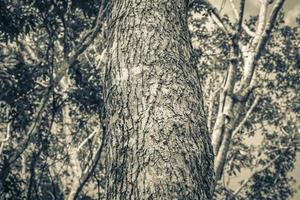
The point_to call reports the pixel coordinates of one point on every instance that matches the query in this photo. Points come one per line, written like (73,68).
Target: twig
(254,173)
(65,66)
(218,19)
(237,129)
(47,86)
(244,26)
(222,6)
(286,148)
(87,139)
(87,173)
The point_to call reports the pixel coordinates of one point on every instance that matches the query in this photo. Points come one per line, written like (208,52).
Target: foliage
(273,127)
(36,36)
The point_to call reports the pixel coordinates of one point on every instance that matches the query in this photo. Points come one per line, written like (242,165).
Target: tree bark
(158,145)
(74,168)
(223,129)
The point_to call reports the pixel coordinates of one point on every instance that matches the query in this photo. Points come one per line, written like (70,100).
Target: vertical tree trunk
(74,168)
(158,144)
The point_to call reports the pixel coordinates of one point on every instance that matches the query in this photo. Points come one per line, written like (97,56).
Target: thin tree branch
(86,140)
(65,66)
(241,16)
(33,127)
(244,26)
(258,43)
(221,138)
(238,128)
(32,167)
(24,43)
(217,18)
(47,86)
(87,173)
(269,164)
(254,173)
(228,134)
(226,100)
(88,39)
(222,6)
(261,23)
(249,60)
(268,29)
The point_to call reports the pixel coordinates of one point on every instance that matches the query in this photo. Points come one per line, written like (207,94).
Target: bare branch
(245,182)
(267,165)
(87,40)
(244,26)
(87,173)
(47,86)
(65,66)
(249,60)
(258,43)
(269,27)
(214,13)
(87,139)
(227,136)
(217,19)
(261,23)
(238,128)
(226,100)
(241,16)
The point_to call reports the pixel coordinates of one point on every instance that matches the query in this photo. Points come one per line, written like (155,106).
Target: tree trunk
(74,168)
(158,145)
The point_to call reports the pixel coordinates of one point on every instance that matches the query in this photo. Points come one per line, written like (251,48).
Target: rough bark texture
(158,144)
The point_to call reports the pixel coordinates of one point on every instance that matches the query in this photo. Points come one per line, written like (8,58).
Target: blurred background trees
(52,58)
(262,54)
